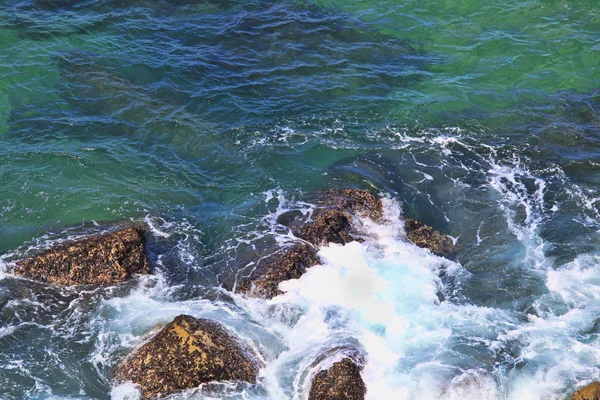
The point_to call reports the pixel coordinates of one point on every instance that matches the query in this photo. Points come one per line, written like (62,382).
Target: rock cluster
(189,352)
(331,222)
(101,260)
(184,354)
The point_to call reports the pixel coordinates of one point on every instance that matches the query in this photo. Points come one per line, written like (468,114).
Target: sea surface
(207,119)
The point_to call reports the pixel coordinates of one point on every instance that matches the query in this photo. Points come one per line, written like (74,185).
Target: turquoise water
(207,119)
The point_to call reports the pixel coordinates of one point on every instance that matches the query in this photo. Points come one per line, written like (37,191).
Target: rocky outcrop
(588,392)
(102,260)
(184,354)
(425,236)
(289,264)
(332,220)
(341,381)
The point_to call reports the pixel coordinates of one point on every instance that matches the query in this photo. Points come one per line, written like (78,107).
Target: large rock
(185,354)
(341,381)
(425,236)
(588,392)
(291,263)
(102,260)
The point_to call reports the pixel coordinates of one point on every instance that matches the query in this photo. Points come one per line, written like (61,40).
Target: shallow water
(208,119)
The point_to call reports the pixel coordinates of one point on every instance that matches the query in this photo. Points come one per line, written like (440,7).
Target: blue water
(207,119)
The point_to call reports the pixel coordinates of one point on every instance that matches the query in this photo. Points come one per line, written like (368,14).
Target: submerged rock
(102,260)
(588,392)
(425,236)
(184,354)
(289,264)
(341,381)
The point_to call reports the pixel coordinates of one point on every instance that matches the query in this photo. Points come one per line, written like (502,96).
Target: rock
(328,226)
(341,381)
(588,392)
(102,260)
(289,264)
(354,201)
(331,223)
(184,354)
(425,236)
(332,219)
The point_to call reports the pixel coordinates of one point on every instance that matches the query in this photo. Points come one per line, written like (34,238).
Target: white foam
(524,209)
(125,391)
(382,293)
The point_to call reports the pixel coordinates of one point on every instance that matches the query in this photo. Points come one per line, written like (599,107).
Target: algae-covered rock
(425,236)
(341,381)
(185,354)
(101,260)
(289,264)
(588,392)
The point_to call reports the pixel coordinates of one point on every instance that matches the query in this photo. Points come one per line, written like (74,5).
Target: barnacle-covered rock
(101,260)
(341,381)
(185,354)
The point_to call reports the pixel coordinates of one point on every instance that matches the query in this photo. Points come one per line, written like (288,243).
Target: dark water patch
(280,56)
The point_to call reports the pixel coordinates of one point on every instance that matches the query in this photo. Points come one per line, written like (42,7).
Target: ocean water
(207,119)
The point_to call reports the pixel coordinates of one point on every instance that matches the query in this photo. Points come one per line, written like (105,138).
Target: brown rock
(588,392)
(332,219)
(289,264)
(328,226)
(341,381)
(102,260)
(184,354)
(331,223)
(354,201)
(425,236)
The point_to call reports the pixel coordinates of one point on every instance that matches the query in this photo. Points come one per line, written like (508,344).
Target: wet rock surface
(328,226)
(588,392)
(101,260)
(425,236)
(184,354)
(356,201)
(291,263)
(341,381)
(331,221)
